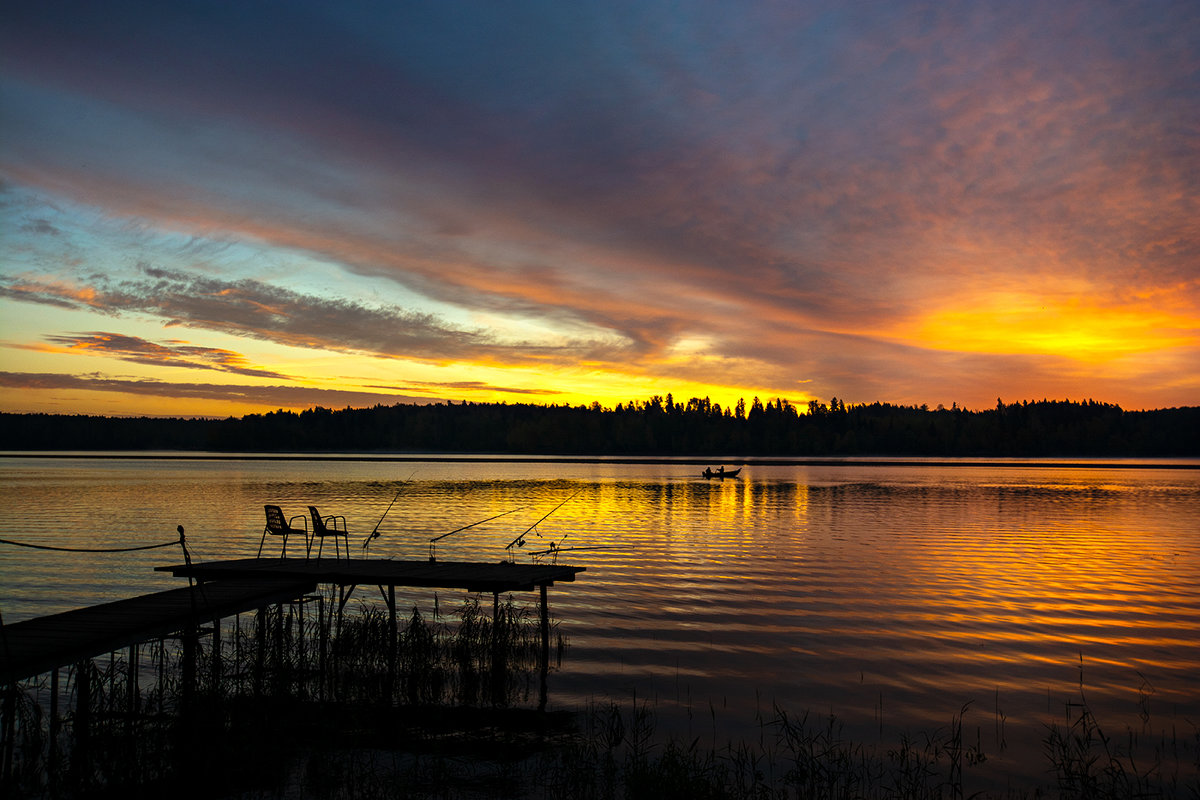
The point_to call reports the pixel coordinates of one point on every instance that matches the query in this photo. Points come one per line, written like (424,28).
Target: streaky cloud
(275,396)
(258,310)
(442,387)
(172,353)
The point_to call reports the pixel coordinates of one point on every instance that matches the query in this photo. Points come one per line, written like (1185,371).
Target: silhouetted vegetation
(658,426)
(275,688)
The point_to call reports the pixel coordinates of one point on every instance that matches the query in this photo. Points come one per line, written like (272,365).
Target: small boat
(721,472)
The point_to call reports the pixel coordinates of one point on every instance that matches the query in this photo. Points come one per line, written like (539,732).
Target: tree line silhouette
(658,426)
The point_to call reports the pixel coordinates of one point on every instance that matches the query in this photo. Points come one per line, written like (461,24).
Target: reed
(1088,763)
(294,703)
(618,755)
(254,692)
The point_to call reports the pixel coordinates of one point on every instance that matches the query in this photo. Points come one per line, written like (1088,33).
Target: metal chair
(277,527)
(328,526)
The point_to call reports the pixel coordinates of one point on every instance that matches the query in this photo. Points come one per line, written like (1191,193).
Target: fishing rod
(520,540)
(375,533)
(555,549)
(465,527)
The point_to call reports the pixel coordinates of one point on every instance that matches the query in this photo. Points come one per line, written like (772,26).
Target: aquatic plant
(294,701)
(150,711)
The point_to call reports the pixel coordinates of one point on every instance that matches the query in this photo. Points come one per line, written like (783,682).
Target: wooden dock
(347,574)
(32,648)
(39,645)
(472,576)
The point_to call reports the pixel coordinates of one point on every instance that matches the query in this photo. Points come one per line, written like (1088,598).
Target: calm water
(889,595)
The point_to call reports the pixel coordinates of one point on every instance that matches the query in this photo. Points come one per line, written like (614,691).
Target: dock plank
(39,645)
(474,576)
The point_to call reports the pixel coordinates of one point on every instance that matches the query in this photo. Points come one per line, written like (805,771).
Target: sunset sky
(221,208)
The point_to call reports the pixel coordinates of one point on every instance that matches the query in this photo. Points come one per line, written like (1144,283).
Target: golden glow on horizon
(370,378)
(1020,323)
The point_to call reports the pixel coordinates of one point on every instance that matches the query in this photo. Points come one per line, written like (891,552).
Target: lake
(889,594)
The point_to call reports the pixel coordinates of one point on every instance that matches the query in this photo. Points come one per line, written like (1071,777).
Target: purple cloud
(264,396)
(169,354)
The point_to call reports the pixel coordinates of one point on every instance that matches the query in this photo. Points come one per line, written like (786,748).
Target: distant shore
(697,461)
(697,432)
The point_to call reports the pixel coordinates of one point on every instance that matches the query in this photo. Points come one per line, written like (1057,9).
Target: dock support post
(545,628)
(216,654)
(301,666)
(393,642)
(545,647)
(189,667)
(81,763)
(9,734)
(131,687)
(111,700)
(496,655)
(162,674)
(279,626)
(237,652)
(54,722)
(323,644)
(260,655)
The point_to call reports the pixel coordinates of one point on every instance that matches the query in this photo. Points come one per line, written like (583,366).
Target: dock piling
(8,734)
(81,761)
(54,721)
(215,678)
(393,640)
(131,687)
(323,638)
(260,650)
(545,665)
(190,640)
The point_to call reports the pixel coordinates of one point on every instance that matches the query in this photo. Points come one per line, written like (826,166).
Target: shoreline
(1050,462)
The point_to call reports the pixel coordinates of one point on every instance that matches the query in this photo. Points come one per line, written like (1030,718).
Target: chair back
(275,522)
(318,523)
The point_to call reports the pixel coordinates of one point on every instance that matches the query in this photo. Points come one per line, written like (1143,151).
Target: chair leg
(283,553)
(261,542)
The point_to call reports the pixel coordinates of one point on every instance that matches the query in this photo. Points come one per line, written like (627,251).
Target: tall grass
(293,702)
(618,755)
(255,692)
(1088,763)
(610,751)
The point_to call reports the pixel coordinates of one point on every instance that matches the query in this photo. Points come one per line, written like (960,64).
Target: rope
(87,549)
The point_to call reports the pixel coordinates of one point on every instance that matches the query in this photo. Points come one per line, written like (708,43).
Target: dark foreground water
(890,595)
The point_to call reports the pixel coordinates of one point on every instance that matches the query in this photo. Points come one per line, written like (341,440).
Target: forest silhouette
(659,426)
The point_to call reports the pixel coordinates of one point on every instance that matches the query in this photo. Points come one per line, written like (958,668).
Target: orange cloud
(174,353)
(51,291)
(1079,327)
